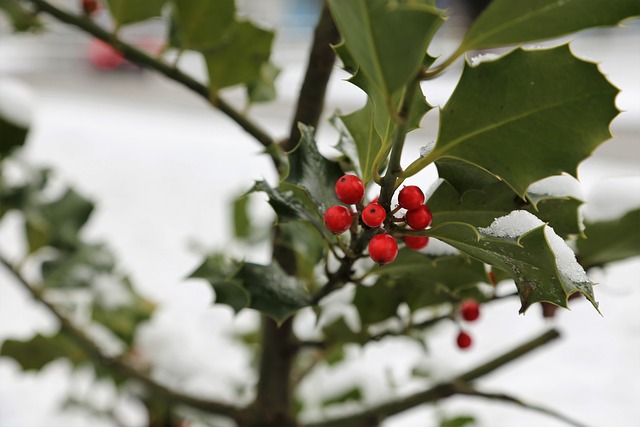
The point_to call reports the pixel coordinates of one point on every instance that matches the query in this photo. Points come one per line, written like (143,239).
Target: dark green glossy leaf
(387,39)
(266,288)
(312,171)
(526,116)
(201,24)
(239,56)
(272,291)
(299,248)
(609,241)
(128,11)
(472,195)
(508,22)
(529,259)
(420,281)
(338,333)
(35,353)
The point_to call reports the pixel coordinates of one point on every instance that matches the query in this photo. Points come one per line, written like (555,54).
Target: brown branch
(145,60)
(375,415)
(116,365)
(314,86)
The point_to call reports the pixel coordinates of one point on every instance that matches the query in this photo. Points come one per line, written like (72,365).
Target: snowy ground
(159,162)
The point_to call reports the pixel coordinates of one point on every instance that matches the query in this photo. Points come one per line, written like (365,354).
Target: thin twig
(470,391)
(375,415)
(141,58)
(114,364)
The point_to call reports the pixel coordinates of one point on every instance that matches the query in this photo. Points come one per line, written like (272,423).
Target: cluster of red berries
(469,311)
(383,248)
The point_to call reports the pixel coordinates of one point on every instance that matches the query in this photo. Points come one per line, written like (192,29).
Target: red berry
(373,215)
(350,189)
(383,249)
(419,218)
(90,6)
(338,219)
(464,340)
(470,310)
(103,56)
(415,242)
(411,197)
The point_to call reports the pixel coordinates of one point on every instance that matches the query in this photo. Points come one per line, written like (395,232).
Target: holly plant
(407,256)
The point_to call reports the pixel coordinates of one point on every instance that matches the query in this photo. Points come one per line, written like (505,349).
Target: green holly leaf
(419,281)
(543,267)
(544,111)
(128,12)
(202,24)
(298,248)
(507,22)
(242,227)
(387,39)
(263,89)
(472,195)
(238,57)
(310,170)
(21,19)
(609,241)
(40,350)
(339,333)
(266,288)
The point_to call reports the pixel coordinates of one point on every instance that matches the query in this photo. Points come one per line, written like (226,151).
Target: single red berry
(383,249)
(338,219)
(464,340)
(90,6)
(415,242)
(103,56)
(373,215)
(470,310)
(350,189)
(419,218)
(411,197)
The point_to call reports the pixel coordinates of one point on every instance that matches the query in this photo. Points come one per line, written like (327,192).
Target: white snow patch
(565,258)
(16,102)
(611,198)
(427,148)
(517,223)
(111,292)
(557,186)
(512,225)
(483,57)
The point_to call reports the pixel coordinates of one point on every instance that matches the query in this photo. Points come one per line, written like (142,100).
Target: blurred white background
(163,168)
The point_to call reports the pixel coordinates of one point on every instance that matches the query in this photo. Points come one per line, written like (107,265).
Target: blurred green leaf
(459,421)
(202,24)
(263,89)
(508,22)
(351,394)
(57,223)
(609,241)
(128,11)
(242,228)
(21,18)
(77,268)
(12,135)
(238,57)
(123,320)
(37,352)
(301,248)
